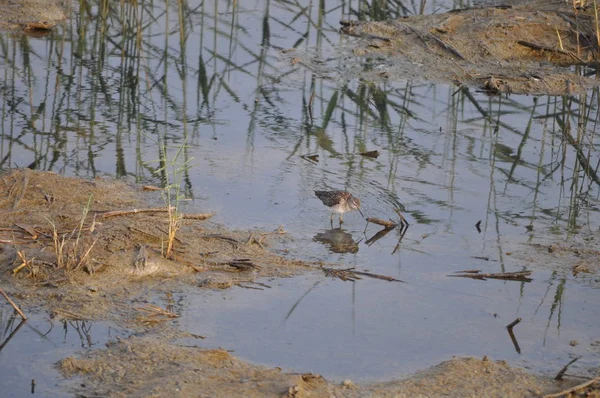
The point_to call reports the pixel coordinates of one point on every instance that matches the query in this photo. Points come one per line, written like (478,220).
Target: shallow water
(90,100)
(31,349)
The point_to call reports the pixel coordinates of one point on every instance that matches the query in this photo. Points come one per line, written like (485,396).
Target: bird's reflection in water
(338,240)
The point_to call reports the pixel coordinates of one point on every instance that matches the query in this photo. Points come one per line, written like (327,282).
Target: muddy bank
(84,249)
(527,49)
(30,15)
(140,367)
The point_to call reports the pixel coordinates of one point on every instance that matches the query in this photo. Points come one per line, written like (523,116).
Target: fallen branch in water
(384,223)
(508,276)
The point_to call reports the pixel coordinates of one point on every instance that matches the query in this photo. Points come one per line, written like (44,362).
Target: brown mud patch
(528,49)
(114,253)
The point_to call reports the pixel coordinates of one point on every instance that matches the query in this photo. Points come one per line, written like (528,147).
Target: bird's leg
(341,218)
(331,220)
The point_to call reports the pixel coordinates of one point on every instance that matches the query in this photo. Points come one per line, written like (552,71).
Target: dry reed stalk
(12,303)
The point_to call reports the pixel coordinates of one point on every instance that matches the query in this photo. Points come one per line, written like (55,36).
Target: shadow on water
(250,91)
(338,240)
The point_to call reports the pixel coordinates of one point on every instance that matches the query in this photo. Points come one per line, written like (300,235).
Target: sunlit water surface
(91,100)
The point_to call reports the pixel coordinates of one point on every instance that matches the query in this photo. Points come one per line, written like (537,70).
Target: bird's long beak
(361,213)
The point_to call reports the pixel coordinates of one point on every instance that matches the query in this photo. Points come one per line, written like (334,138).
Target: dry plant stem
(156,310)
(559,39)
(118,213)
(174,224)
(14,242)
(337,272)
(15,306)
(596,21)
(566,393)
(562,372)
(540,47)
(65,314)
(310,106)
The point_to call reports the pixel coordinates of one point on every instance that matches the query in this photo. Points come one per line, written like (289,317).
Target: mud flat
(540,47)
(111,260)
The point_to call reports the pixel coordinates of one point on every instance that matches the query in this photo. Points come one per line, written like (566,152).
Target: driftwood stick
(565,393)
(513,338)
(15,306)
(562,372)
(384,223)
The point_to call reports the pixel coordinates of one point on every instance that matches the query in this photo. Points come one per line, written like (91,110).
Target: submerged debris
(521,276)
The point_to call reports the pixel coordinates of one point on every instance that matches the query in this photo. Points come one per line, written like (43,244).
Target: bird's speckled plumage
(339,202)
